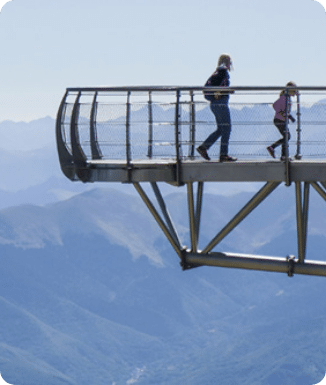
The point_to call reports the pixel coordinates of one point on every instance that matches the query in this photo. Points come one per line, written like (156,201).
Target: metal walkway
(149,134)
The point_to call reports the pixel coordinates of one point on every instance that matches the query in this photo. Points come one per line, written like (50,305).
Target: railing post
(287,160)
(79,156)
(298,154)
(65,154)
(192,126)
(177,139)
(150,126)
(95,150)
(128,152)
(128,142)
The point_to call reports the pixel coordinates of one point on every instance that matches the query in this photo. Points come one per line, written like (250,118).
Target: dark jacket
(220,78)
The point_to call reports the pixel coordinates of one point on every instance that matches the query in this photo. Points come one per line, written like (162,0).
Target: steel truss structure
(178,169)
(192,257)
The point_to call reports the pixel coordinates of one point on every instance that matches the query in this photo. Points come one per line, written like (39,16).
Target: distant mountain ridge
(29,226)
(91,292)
(99,211)
(27,136)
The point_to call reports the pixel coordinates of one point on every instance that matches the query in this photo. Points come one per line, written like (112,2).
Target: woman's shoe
(283,158)
(271,151)
(203,152)
(227,158)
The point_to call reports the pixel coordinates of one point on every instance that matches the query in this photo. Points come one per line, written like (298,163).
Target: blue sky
(47,46)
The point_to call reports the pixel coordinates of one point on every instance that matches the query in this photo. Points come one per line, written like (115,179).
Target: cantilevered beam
(255,262)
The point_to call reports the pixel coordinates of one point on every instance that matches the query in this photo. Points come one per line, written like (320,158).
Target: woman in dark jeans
(280,119)
(220,108)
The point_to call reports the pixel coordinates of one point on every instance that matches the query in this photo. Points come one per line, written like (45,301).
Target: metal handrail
(191,88)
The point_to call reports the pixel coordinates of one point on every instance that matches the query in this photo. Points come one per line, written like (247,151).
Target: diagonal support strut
(266,190)
(169,233)
(320,189)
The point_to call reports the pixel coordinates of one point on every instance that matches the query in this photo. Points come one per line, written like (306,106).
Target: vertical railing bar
(177,141)
(192,125)
(150,126)
(128,128)
(192,221)
(298,154)
(286,144)
(128,152)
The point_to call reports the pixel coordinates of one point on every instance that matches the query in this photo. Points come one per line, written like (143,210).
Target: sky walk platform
(148,135)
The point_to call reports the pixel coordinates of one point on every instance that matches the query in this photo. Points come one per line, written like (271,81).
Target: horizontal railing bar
(191,88)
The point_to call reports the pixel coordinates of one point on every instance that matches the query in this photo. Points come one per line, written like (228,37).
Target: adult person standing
(220,108)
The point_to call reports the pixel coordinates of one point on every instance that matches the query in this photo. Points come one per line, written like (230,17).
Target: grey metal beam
(300,237)
(255,262)
(306,194)
(166,214)
(161,170)
(191,88)
(65,155)
(192,218)
(200,191)
(319,189)
(95,149)
(302,218)
(158,219)
(78,154)
(79,157)
(245,211)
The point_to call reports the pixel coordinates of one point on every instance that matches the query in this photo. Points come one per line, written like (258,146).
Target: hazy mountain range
(92,293)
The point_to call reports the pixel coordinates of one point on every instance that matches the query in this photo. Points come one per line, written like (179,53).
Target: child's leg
(280,124)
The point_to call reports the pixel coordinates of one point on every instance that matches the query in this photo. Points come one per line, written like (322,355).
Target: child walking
(280,119)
